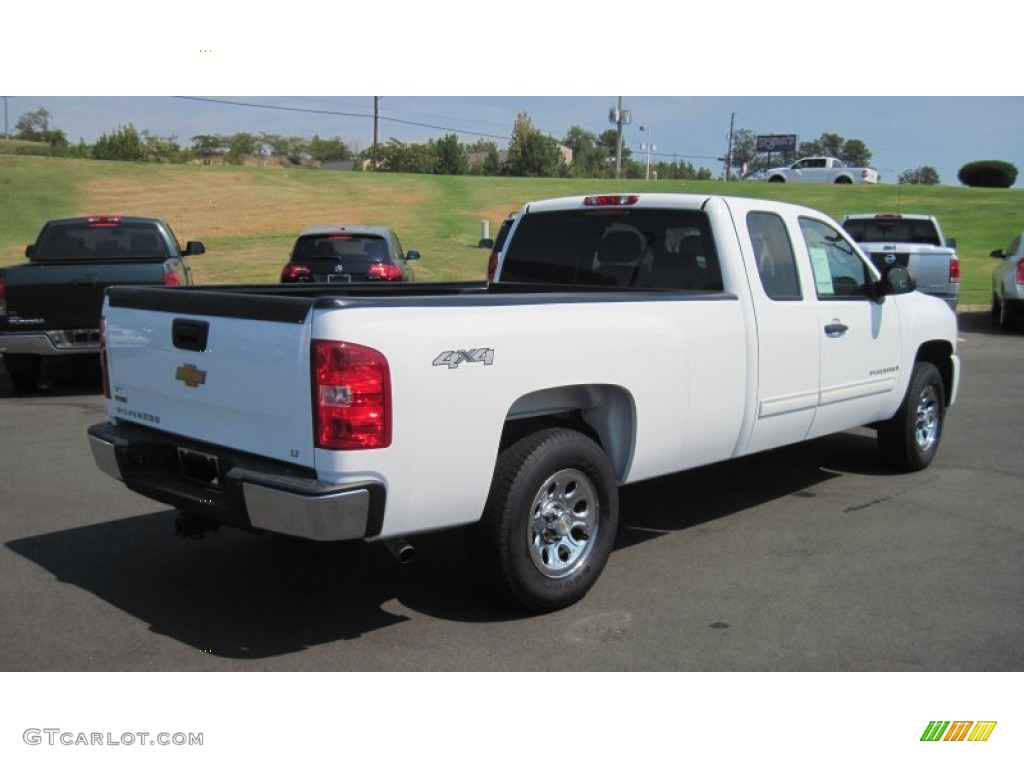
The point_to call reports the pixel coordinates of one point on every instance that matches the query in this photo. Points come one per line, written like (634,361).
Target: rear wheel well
(604,413)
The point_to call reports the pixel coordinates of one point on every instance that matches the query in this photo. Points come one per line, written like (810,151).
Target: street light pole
(648,148)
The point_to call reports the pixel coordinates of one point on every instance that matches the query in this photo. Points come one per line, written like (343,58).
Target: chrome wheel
(927,418)
(563,524)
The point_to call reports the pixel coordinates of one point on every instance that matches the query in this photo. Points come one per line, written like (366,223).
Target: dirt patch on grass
(224,203)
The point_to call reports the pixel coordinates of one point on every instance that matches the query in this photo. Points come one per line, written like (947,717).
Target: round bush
(988,173)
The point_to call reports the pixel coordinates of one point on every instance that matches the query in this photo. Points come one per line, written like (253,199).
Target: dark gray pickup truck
(51,305)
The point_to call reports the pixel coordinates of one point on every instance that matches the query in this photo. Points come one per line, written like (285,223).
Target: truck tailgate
(930,265)
(70,295)
(230,370)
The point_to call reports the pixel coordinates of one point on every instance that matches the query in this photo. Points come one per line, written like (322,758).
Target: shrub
(988,173)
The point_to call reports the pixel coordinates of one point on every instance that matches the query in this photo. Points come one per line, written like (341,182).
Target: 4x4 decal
(453,358)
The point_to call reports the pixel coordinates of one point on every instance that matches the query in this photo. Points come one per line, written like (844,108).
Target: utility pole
(376,101)
(620,117)
(728,155)
(6,134)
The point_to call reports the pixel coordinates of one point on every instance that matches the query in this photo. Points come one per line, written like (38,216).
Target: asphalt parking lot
(806,558)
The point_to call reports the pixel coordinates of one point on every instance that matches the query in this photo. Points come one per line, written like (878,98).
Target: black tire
(996,309)
(1007,315)
(777,180)
(909,440)
(24,371)
(550,520)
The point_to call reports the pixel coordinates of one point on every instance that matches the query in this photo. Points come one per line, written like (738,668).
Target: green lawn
(248,216)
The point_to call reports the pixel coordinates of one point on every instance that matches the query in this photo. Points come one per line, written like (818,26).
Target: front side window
(839,272)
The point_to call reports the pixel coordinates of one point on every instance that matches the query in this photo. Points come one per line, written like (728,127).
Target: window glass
(839,273)
(773,253)
(620,247)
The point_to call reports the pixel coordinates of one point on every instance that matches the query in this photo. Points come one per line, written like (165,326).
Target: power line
(338,113)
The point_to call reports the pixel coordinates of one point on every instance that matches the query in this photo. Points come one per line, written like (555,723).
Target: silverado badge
(190,375)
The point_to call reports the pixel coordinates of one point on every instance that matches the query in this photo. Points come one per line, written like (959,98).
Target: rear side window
(643,248)
(110,239)
(773,254)
(351,249)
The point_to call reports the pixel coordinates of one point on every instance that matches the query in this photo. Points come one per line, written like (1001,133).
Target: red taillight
(616,200)
(103,221)
(1019,278)
(386,271)
(351,396)
(104,373)
(954,269)
(170,276)
(295,272)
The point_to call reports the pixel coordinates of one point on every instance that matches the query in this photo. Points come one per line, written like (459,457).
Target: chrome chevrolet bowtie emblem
(190,375)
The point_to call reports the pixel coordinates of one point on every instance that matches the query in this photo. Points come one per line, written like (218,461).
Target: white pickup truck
(623,337)
(821,170)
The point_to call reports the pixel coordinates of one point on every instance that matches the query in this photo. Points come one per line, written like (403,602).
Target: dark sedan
(346,253)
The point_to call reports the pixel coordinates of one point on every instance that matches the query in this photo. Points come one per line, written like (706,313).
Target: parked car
(1008,284)
(348,253)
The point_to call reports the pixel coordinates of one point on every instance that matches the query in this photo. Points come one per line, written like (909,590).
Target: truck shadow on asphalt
(79,375)
(243,596)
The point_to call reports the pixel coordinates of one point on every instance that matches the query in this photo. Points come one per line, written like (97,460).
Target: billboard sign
(776,142)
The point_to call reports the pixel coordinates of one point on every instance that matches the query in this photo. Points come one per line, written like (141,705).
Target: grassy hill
(248,217)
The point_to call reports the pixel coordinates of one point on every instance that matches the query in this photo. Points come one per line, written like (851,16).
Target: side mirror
(895,282)
(194,248)
(29,250)
(996,254)
(412,255)
(951,242)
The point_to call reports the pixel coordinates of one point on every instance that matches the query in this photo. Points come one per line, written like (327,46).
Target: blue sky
(919,88)
(902,132)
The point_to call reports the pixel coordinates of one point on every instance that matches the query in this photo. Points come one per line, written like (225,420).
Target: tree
(744,151)
(329,150)
(124,143)
(607,141)
(451,155)
(995,174)
(588,156)
(240,146)
(851,151)
(161,150)
(35,126)
(398,157)
(923,174)
(531,153)
(489,162)
(206,146)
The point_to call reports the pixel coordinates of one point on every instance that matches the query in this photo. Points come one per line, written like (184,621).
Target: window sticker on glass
(822,273)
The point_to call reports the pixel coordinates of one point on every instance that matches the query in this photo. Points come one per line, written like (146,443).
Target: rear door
(786,317)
